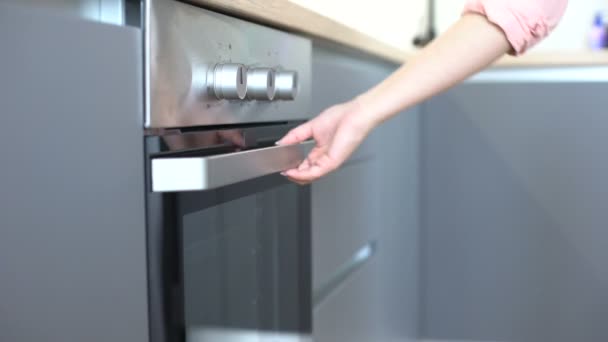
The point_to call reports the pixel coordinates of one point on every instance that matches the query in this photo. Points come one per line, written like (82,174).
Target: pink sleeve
(525,22)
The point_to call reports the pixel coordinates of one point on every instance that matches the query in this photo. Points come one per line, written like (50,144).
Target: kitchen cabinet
(72,230)
(514,205)
(373,199)
(107,11)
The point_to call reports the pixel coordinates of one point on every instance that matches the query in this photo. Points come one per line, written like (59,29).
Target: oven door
(228,239)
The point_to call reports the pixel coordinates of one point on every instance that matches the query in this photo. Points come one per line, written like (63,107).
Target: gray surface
(375,197)
(586,74)
(332,284)
(515,214)
(107,11)
(72,234)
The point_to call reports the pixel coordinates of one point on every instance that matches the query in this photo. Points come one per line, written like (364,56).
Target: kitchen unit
(373,199)
(514,241)
(140,200)
(72,214)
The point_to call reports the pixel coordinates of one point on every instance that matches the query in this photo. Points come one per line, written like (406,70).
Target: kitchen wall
(397,22)
(390,21)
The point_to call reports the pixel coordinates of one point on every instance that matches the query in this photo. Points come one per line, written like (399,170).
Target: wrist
(367,110)
(359,116)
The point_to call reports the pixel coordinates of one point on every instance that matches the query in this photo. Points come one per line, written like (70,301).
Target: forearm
(468,46)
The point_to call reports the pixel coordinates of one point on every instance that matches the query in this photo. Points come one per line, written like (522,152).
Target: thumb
(297,135)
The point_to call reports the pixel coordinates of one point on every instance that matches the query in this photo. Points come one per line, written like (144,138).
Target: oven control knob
(260,84)
(228,81)
(286,84)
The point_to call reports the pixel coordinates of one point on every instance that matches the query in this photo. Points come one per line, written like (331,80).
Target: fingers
(305,176)
(308,172)
(311,158)
(322,161)
(325,159)
(304,165)
(297,135)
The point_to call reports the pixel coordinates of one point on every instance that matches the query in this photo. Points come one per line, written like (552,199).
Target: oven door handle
(172,174)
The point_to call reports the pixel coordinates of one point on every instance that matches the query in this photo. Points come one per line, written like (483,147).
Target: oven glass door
(245,252)
(228,241)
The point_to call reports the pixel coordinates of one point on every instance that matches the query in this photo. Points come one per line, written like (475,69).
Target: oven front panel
(204,68)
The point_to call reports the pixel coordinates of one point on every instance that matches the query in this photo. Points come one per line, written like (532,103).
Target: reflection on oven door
(235,335)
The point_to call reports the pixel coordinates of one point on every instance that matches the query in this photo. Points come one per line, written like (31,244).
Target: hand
(338,131)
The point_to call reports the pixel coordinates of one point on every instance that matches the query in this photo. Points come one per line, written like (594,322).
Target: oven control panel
(204,68)
(238,82)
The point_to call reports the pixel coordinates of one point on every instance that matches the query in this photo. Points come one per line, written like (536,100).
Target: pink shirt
(525,22)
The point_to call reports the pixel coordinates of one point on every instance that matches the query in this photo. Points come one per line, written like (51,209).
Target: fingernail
(278,142)
(284,173)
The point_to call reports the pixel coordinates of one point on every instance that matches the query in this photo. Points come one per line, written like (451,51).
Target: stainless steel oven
(228,237)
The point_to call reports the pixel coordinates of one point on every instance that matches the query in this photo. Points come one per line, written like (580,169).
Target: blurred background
(396,22)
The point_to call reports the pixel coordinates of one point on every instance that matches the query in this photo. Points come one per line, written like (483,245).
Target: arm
(488,30)
(444,63)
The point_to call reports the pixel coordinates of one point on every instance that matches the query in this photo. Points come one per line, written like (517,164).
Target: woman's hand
(338,131)
(467,47)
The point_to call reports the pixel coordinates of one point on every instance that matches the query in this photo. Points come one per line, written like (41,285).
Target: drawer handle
(355,262)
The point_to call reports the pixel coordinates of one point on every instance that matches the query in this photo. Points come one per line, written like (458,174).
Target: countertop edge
(292,17)
(556,59)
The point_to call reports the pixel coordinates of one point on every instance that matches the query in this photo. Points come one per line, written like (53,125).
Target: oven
(228,237)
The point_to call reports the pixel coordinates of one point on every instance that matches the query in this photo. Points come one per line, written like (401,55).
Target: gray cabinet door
(372,199)
(72,231)
(515,198)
